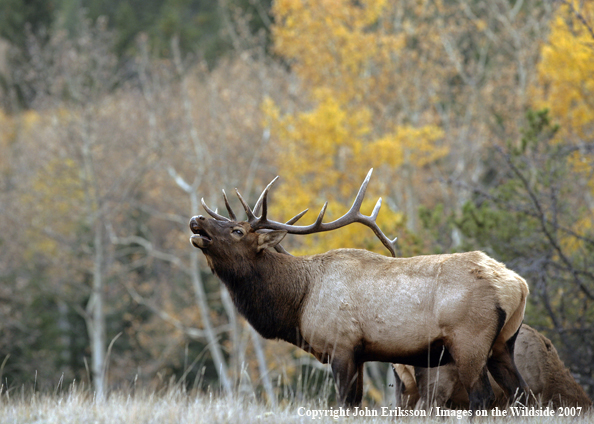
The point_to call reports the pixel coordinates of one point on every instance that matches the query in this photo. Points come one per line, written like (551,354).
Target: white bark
(95,314)
(213,343)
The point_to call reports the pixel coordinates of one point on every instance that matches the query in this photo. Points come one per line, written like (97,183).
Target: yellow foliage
(56,195)
(338,44)
(417,144)
(347,54)
(566,71)
(584,225)
(7,135)
(30,119)
(325,153)
(566,88)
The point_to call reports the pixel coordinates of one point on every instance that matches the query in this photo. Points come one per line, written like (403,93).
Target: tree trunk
(95,315)
(213,343)
(263,367)
(98,317)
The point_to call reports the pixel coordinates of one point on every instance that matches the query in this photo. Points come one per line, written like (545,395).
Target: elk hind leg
(474,376)
(502,367)
(480,395)
(471,363)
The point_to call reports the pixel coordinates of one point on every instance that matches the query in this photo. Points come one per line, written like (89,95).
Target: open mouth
(201,233)
(200,239)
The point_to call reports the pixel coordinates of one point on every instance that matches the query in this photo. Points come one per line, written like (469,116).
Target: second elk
(349,306)
(548,380)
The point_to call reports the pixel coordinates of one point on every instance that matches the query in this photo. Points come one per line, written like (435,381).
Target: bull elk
(349,306)
(546,377)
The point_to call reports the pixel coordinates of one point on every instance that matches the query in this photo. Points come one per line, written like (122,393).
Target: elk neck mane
(269,292)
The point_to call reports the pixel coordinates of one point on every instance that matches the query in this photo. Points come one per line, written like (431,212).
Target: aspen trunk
(213,343)
(95,314)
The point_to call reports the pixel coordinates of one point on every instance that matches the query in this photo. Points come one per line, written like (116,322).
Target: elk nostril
(200,217)
(193,224)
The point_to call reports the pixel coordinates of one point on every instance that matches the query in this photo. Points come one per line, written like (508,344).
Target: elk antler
(257,208)
(214,214)
(353,215)
(231,214)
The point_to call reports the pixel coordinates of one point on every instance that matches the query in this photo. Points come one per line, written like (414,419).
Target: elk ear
(270,239)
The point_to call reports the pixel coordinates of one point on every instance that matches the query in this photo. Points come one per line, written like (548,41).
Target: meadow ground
(176,406)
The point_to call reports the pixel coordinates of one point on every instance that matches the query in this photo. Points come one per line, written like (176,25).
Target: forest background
(116,117)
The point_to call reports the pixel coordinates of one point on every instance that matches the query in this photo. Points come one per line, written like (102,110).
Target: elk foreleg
(348,376)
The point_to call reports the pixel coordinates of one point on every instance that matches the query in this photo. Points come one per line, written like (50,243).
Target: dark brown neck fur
(269,292)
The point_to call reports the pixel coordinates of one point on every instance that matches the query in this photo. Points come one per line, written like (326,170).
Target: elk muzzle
(201,239)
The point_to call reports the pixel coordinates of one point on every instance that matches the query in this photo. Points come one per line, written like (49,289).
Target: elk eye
(238,232)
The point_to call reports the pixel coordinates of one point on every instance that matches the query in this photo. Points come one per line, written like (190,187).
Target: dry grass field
(176,406)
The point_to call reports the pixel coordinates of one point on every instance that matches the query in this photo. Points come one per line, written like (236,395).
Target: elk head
(228,240)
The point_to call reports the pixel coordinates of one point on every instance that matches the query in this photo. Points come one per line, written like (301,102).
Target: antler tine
(376,209)
(370,222)
(318,223)
(262,198)
(361,194)
(231,214)
(213,213)
(296,217)
(251,217)
(264,203)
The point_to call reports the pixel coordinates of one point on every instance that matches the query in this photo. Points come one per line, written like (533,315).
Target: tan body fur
(440,297)
(549,382)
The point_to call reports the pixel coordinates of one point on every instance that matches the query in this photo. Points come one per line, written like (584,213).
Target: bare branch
(543,225)
(579,16)
(148,246)
(179,180)
(191,332)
